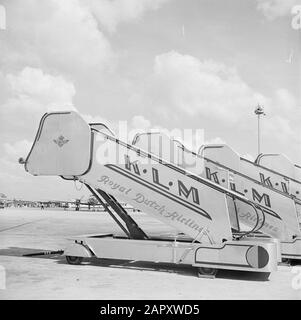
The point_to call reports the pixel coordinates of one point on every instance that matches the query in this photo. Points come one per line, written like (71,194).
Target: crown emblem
(60,141)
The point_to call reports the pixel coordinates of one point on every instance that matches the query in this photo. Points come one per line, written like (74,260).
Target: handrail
(104,125)
(137,136)
(257,221)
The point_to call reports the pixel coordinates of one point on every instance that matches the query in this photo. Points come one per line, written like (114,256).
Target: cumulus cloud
(61,34)
(281,123)
(32,93)
(95,119)
(286,102)
(110,13)
(44,91)
(184,85)
(216,140)
(67,35)
(279,128)
(140,122)
(18,149)
(273,9)
(196,87)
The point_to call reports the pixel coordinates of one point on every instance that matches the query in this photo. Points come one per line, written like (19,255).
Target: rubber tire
(207,272)
(74,260)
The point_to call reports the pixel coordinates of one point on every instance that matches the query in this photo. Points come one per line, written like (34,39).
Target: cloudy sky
(199,64)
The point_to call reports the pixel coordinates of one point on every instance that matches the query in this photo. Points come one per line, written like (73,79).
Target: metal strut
(132,230)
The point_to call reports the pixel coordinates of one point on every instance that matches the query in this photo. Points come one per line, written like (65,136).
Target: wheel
(204,272)
(74,260)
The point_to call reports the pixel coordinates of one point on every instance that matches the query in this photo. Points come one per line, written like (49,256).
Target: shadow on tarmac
(141,266)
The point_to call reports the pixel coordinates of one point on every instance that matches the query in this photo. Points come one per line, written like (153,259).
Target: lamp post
(259,111)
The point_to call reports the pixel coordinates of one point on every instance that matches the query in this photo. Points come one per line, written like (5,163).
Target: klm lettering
(189,193)
(212,176)
(268,183)
(129,165)
(257,197)
(156,180)
(265,181)
(186,193)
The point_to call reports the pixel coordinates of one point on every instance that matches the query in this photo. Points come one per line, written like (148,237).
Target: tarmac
(24,231)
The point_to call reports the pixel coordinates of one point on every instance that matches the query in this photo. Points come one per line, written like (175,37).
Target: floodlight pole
(259,111)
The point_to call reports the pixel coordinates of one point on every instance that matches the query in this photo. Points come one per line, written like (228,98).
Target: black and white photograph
(150,151)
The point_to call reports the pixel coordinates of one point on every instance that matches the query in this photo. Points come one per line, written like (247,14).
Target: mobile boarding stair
(275,189)
(282,174)
(66,146)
